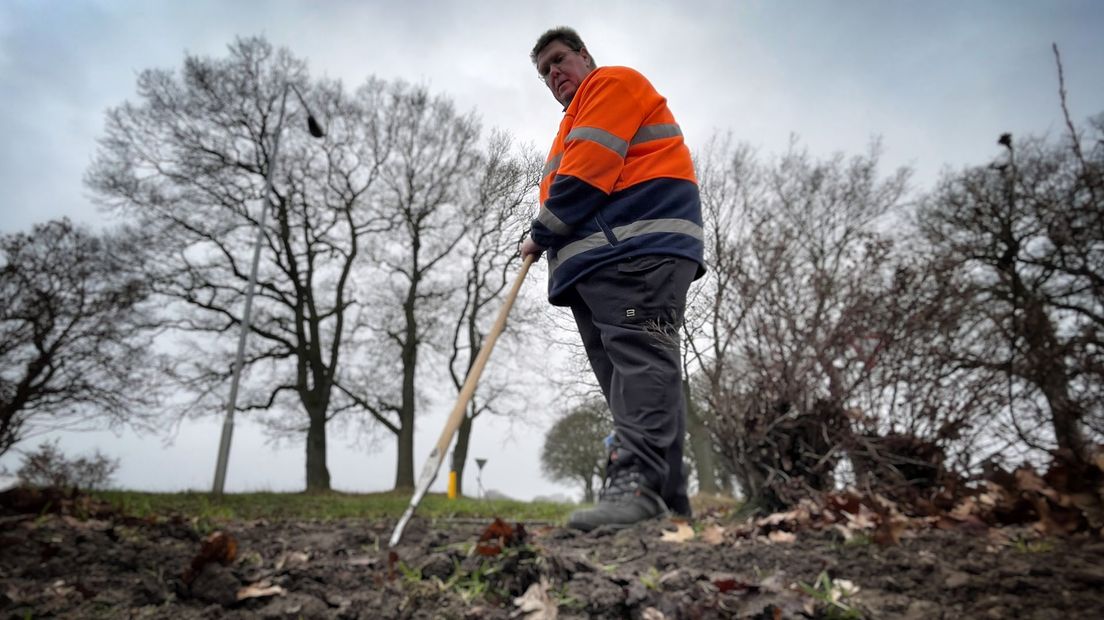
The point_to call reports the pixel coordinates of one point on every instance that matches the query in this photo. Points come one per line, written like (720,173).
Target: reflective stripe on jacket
(618,182)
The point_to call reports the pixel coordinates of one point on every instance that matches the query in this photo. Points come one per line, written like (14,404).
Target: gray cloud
(939,80)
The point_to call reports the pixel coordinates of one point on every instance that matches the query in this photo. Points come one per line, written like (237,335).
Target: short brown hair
(565,35)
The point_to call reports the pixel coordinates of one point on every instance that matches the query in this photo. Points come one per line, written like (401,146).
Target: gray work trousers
(629,315)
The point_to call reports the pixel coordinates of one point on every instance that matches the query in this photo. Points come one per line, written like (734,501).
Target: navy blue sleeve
(571,202)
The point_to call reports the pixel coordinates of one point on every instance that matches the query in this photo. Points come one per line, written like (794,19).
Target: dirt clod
(216,584)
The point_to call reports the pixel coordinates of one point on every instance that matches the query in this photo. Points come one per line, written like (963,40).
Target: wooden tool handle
(456,416)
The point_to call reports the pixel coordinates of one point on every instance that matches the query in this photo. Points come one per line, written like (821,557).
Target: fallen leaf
(682,533)
(848,502)
(862,519)
(292,559)
(498,535)
(535,604)
(87,524)
(889,532)
(945,522)
(392,564)
(728,584)
(844,531)
(797,515)
(61,589)
(1091,506)
(842,588)
(260,589)
(218,547)
(1028,480)
(651,613)
(713,535)
(778,536)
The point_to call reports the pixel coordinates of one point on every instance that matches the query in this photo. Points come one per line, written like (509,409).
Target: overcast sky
(937,80)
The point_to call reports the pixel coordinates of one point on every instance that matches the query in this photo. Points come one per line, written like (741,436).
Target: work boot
(624,501)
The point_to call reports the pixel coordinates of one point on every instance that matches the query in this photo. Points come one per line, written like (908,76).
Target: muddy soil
(112,566)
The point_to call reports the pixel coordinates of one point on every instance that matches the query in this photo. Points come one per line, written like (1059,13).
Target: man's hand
(531,247)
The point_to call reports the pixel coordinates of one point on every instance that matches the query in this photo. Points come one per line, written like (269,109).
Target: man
(620,217)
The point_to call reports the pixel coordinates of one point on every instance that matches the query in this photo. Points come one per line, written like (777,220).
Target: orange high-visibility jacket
(618,182)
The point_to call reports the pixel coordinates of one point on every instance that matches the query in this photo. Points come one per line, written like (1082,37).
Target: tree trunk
(588,490)
(701,445)
(318,475)
(460,452)
(724,475)
(1046,368)
(404,471)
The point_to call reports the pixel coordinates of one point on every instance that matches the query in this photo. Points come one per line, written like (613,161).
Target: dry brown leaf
(967,506)
(260,589)
(846,502)
(945,523)
(499,535)
(797,515)
(95,525)
(778,536)
(292,559)
(1028,480)
(536,604)
(890,530)
(998,536)
(713,535)
(1091,506)
(844,531)
(682,533)
(218,547)
(993,497)
(392,564)
(726,583)
(863,519)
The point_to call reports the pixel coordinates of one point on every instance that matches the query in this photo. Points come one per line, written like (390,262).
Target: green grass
(327,505)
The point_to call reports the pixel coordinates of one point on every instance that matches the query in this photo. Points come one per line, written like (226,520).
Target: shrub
(48,467)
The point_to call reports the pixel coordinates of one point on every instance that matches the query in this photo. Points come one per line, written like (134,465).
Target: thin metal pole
(228,422)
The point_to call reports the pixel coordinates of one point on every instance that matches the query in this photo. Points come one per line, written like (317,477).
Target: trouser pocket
(652,291)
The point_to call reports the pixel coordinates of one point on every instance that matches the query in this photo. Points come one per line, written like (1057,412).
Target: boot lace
(622,484)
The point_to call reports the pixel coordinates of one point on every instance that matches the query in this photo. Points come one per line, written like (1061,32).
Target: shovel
(433,463)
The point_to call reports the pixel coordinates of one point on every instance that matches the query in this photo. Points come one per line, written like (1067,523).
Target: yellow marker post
(453,481)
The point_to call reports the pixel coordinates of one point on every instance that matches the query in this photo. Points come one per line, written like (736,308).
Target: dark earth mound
(89,562)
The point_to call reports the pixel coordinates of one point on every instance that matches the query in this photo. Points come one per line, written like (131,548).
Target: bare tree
(1027,234)
(435,156)
(73,351)
(799,264)
(496,215)
(573,448)
(919,419)
(731,186)
(188,165)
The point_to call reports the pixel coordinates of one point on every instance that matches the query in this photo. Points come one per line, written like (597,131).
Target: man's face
(562,69)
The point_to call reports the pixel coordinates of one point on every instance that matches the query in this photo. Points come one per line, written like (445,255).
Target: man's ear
(586,56)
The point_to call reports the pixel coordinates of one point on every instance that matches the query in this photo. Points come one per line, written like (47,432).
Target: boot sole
(617,527)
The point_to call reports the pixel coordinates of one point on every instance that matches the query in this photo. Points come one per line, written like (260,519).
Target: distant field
(336,505)
(328,505)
